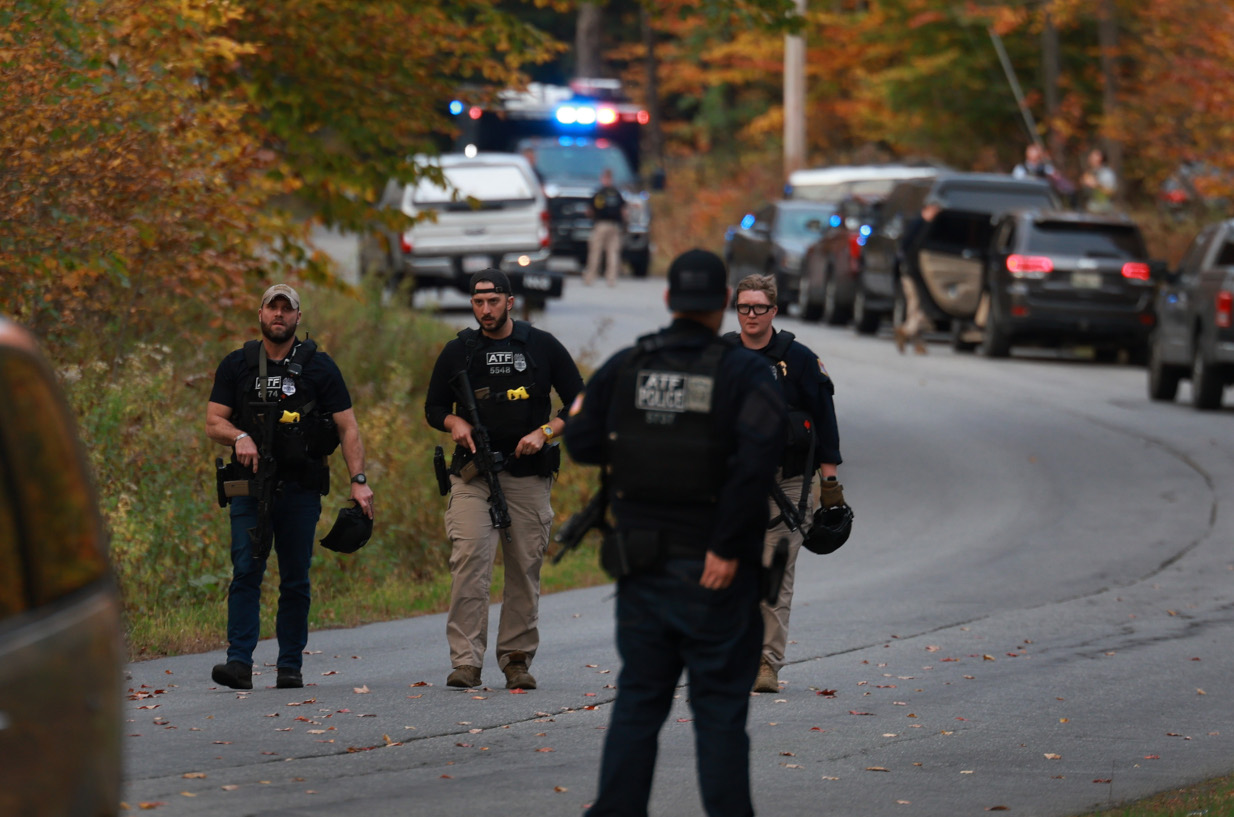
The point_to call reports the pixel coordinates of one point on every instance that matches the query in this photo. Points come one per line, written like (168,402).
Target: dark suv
(951,261)
(1054,278)
(1195,310)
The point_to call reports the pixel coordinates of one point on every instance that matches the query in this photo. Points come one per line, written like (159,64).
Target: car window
(1194,255)
(1085,240)
(488,183)
(50,503)
(560,163)
(958,229)
(1225,258)
(802,223)
(993,199)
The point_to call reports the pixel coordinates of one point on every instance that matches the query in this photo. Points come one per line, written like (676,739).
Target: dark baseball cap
(697,282)
(495,277)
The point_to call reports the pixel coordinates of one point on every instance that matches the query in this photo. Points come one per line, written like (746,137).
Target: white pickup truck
(492,213)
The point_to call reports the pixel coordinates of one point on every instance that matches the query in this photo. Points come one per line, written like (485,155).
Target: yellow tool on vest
(518,394)
(290,417)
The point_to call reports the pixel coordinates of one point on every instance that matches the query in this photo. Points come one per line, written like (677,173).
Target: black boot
(289,678)
(233,674)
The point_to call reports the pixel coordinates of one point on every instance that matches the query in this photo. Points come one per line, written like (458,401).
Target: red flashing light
(1225,309)
(854,247)
(1027,265)
(643,117)
(1136,270)
(475,112)
(404,244)
(544,222)
(602,143)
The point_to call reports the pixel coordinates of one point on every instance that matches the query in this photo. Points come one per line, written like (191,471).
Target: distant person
(291,378)
(608,216)
(530,155)
(1098,183)
(916,322)
(1036,164)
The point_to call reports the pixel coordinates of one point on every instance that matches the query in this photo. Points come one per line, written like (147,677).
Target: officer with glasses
(812,443)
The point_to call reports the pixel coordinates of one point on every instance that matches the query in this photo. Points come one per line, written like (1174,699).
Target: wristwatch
(548,430)
(360,479)
(239,437)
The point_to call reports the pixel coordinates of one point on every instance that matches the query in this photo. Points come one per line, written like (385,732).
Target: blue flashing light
(567,115)
(865,230)
(861,241)
(747,221)
(565,141)
(456,107)
(835,220)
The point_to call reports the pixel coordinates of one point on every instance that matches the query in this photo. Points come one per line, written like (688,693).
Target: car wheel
(1206,383)
(809,309)
(833,313)
(899,308)
(1162,378)
(958,344)
(996,340)
(865,321)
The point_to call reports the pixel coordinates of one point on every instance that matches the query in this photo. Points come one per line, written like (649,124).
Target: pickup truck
(1194,338)
(492,213)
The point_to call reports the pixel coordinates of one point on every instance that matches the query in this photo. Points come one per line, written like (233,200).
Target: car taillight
(854,245)
(1136,270)
(1225,306)
(404,243)
(543,229)
(1029,265)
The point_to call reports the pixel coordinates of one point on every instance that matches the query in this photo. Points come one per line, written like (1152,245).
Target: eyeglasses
(756,309)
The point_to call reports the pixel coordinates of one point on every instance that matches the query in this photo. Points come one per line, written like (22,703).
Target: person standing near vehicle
(812,443)
(608,217)
(280,398)
(1099,184)
(513,369)
(1036,163)
(689,430)
(916,322)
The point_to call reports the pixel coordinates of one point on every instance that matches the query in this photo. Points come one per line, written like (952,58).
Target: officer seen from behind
(513,368)
(689,430)
(812,443)
(279,403)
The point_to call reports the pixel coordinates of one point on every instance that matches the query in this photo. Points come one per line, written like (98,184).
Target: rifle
(488,461)
(576,527)
(261,536)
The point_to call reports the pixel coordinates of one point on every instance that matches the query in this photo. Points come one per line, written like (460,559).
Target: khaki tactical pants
(915,319)
(604,242)
(475,542)
(775,617)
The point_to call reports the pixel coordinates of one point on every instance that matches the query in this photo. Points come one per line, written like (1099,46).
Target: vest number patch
(673,391)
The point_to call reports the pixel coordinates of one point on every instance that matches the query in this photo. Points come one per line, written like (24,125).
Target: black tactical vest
(664,447)
(504,382)
(287,403)
(800,438)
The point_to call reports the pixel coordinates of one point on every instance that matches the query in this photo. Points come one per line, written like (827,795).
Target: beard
(498,322)
(278,334)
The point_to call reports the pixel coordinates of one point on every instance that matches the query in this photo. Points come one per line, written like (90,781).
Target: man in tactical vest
(608,217)
(282,407)
(500,476)
(812,443)
(689,430)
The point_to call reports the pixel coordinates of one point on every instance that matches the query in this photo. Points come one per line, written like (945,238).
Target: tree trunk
(588,58)
(655,136)
(1049,82)
(1107,36)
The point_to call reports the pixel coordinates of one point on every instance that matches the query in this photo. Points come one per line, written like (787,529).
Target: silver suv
(492,212)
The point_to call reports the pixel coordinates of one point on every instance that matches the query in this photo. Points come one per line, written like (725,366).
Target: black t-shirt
(607,204)
(322,373)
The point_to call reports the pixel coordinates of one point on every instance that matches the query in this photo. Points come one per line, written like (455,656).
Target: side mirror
(1159,270)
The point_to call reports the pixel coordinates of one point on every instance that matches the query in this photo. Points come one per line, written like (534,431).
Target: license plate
(1086,280)
(543,283)
(475,263)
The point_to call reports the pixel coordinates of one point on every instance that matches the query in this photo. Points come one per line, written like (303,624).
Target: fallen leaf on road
(151,805)
(229,787)
(987,657)
(518,692)
(360,690)
(855,712)
(999,808)
(827,693)
(331,672)
(876,769)
(1104,780)
(544,749)
(1152,757)
(1052,756)
(193,775)
(420,684)
(825,777)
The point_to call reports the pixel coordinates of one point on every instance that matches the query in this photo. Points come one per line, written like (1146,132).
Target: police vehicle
(571,134)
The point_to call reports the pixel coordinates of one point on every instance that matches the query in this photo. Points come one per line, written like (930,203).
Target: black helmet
(351,530)
(830,529)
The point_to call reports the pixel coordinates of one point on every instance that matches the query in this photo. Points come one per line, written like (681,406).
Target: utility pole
(795,98)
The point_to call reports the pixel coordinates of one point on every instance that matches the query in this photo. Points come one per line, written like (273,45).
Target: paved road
(1036,611)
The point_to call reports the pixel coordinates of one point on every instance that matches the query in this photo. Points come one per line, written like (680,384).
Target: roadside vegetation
(1212,798)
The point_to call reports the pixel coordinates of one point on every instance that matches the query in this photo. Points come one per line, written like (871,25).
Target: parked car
(61,650)
(1056,278)
(952,257)
(840,181)
(1194,338)
(773,240)
(832,264)
(491,212)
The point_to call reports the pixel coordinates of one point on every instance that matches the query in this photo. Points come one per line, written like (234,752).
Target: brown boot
(767,680)
(464,676)
(517,676)
(901,339)
(919,346)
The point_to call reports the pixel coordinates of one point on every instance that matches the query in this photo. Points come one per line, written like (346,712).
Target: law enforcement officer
(812,443)
(513,368)
(689,429)
(286,398)
(608,216)
(916,322)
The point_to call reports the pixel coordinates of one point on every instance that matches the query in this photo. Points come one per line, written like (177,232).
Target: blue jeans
(666,622)
(294,518)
